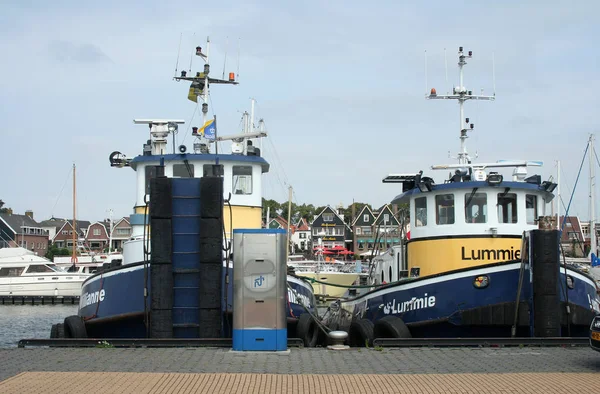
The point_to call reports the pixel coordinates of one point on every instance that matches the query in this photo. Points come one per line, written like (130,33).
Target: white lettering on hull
(394,306)
(87,299)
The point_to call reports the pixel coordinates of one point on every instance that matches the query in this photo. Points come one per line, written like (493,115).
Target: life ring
(391,327)
(361,333)
(307,330)
(74,327)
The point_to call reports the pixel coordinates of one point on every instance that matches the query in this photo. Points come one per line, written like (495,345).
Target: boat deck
(388,370)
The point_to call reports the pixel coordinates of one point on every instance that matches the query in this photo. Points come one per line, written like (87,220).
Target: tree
(55,251)
(2,209)
(271,205)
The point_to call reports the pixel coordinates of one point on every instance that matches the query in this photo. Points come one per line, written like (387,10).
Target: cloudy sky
(340,85)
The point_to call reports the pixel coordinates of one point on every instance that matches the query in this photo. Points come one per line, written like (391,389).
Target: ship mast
(199,88)
(461,94)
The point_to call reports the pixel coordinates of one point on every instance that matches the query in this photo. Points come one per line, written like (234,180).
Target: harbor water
(30,321)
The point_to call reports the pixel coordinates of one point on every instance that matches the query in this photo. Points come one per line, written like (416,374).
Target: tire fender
(307,330)
(74,327)
(391,327)
(361,333)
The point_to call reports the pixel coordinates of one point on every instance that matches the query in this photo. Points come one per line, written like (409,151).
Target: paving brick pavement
(127,382)
(301,361)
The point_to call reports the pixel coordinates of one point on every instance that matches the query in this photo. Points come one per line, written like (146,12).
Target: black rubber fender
(391,327)
(74,327)
(307,330)
(361,333)
(60,330)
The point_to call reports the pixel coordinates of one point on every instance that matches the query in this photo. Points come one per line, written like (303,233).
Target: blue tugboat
(175,279)
(481,258)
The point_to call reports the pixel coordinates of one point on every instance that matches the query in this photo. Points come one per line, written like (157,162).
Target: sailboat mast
(289,217)
(74,248)
(593,246)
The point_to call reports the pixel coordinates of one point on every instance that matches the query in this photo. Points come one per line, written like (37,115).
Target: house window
(242,180)
(302,235)
(65,232)
(123,231)
(531,208)
(386,218)
(328,217)
(150,172)
(507,208)
(421,211)
(358,231)
(366,218)
(183,171)
(476,207)
(445,209)
(97,231)
(95,245)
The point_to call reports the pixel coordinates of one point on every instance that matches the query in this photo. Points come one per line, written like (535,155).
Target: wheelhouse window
(476,207)
(11,271)
(34,269)
(421,211)
(212,170)
(531,208)
(507,208)
(150,172)
(242,180)
(445,208)
(183,171)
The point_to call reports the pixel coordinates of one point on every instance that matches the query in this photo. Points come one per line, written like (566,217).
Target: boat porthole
(570,282)
(481,282)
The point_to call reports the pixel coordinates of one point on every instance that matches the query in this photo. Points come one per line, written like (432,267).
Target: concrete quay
(215,370)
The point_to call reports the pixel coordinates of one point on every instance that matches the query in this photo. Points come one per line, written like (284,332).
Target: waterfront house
(23,231)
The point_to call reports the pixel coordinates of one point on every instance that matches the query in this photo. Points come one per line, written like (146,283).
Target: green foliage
(2,209)
(104,345)
(55,251)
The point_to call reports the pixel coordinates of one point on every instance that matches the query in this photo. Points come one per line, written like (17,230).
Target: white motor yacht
(25,274)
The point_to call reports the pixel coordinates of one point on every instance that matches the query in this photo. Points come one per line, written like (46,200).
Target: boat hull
(59,285)
(337,278)
(113,303)
(471,302)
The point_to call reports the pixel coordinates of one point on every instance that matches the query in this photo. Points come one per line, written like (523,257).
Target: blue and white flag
(209,130)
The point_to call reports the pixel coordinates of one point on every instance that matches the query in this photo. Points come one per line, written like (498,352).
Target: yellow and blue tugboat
(126,301)
(476,262)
